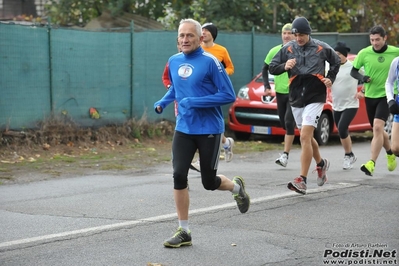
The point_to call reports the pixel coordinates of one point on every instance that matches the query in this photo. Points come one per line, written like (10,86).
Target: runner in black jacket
(304,59)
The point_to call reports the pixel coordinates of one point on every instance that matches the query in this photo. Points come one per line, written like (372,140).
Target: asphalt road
(122,220)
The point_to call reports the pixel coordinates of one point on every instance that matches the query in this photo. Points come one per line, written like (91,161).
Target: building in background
(19,9)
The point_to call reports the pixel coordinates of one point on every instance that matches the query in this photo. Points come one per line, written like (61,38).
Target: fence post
(252,51)
(50,64)
(131,67)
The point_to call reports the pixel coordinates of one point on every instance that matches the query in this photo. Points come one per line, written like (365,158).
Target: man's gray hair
(198,27)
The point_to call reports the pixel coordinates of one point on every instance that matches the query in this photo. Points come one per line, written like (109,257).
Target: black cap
(301,25)
(212,29)
(342,48)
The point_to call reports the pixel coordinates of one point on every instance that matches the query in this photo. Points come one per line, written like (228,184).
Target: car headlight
(243,93)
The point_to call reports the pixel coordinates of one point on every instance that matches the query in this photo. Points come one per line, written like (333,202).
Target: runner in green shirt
(376,60)
(281,87)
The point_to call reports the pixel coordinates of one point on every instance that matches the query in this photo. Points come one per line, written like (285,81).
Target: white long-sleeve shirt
(344,89)
(393,76)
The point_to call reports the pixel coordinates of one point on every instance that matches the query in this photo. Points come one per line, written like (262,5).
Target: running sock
(321,164)
(286,153)
(304,178)
(184,224)
(236,188)
(350,154)
(389,152)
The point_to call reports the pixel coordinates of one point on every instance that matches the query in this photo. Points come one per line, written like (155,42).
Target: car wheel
(388,125)
(242,135)
(323,130)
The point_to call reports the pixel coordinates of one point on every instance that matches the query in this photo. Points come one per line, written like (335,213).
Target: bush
(61,130)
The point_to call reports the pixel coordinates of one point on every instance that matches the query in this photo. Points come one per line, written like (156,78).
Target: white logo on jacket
(185,70)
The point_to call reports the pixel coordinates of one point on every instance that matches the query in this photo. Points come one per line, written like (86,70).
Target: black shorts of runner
(377,108)
(184,147)
(342,120)
(285,113)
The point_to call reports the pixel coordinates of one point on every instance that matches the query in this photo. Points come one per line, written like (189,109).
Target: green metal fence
(64,71)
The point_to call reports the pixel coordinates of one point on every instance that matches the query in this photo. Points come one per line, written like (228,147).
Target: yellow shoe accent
(391,163)
(368,168)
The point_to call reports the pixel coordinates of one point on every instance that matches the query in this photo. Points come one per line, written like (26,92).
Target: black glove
(266,86)
(366,79)
(393,107)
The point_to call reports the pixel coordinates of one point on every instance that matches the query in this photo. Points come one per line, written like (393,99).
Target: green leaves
(236,15)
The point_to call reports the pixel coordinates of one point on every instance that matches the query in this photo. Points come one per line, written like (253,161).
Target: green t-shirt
(376,66)
(281,82)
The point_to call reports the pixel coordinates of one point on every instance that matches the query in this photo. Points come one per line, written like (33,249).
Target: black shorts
(342,120)
(184,147)
(285,113)
(377,108)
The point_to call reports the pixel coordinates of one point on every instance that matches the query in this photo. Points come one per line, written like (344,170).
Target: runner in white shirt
(393,103)
(345,103)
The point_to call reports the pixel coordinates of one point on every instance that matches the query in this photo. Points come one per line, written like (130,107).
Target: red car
(253,113)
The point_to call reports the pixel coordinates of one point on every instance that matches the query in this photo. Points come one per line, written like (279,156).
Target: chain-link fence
(64,71)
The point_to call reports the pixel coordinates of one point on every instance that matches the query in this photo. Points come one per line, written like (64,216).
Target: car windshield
(260,78)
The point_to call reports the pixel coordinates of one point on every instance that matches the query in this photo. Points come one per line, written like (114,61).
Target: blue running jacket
(200,85)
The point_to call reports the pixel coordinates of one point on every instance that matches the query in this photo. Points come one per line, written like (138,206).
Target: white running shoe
(282,160)
(196,166)
(228,152)
(348,162)
(322,172)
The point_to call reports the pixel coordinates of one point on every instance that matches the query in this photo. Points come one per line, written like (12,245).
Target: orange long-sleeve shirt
(221,53)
